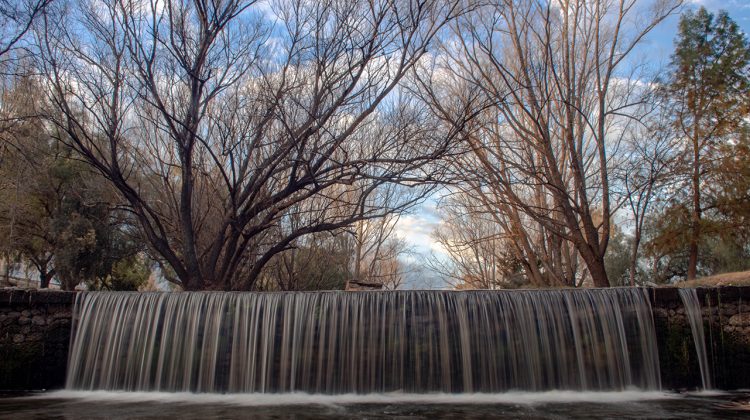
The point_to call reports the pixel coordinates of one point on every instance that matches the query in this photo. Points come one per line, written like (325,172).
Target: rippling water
(527,405)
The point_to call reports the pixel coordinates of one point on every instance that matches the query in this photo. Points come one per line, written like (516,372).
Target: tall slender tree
(709,88)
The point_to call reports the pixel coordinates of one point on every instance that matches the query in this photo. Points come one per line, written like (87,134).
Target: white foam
(514,398)
(707,393)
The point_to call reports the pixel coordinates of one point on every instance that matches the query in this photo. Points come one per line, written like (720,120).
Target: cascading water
(692,306)
(364,342)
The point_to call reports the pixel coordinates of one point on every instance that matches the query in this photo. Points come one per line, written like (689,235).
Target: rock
(59,322)
(18,338)
(14,314)
(661,312)
(26,313)
(61,314)
(740,320)
(24,320)
(729,311)
(38,320)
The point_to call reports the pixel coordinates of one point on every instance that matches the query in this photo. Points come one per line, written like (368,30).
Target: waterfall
(364,342)
(693,313)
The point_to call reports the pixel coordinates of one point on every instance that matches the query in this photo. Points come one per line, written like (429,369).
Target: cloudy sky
(661,41)
(416,228)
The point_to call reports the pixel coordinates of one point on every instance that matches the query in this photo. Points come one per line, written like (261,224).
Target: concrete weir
(364,342)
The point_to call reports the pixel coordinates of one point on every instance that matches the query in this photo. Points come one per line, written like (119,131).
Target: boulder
(740,320)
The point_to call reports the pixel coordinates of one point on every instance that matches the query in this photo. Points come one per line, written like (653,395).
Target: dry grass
(739,278)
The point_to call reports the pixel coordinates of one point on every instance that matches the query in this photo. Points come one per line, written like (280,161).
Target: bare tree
(480,254)
(646,175)
(214,123)
(16,18)
(553,94)
(377,248)
(368,250)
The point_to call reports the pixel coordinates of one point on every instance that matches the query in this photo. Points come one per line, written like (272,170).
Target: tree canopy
(277,145)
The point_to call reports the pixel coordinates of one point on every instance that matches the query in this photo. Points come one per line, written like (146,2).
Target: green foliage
(666,232)
(732,187)
(56,214)
(329,273)
(90,245)
(700,229)
(617,258)
(726,254)
(126,274)
(709,81)
(318,264)
(665,235)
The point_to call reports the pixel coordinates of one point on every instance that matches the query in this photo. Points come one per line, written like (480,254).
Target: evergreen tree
(709,91)
(56,215)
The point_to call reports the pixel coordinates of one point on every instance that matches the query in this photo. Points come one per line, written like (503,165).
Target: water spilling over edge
(364,343)
(692,306)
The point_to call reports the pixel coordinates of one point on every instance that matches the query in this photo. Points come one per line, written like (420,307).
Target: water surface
(525,405)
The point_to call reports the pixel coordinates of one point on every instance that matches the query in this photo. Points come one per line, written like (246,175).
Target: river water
(409,355)
(511,405)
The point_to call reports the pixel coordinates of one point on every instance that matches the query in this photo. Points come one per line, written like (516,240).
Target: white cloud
(728,5)
(416,229)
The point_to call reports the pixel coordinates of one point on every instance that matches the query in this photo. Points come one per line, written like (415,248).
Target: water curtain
(364,342)
(692,306)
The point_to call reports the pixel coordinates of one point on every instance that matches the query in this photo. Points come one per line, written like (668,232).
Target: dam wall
(35,328)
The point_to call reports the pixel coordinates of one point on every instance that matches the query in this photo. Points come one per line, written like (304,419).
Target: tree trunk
(195,279)
(358,256)
(595,265)
(44,279)
(634,256)
(6,272)
(695,217)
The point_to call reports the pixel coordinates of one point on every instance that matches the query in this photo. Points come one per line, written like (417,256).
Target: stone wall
(726,320)
(34,338)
